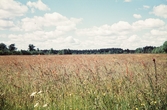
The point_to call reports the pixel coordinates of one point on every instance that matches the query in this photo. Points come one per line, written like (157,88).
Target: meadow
(84,82)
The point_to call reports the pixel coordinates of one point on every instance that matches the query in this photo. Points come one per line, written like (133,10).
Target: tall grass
(83,82)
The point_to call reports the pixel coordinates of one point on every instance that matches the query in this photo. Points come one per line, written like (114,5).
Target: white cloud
(133,41)
(38,5)
(146,6)
(158,32)
(37,36)
(10,9)
(94,38)
(138,16)
(124,35)
(119,28)
(5,24)
(148,24)
(154,40)
(56,20)
(3,36)
(43,40)
(127,0)
(160,11)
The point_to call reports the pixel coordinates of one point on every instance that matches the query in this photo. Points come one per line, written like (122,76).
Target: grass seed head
(39,92)
(45,105)
(33,94)
(36,105)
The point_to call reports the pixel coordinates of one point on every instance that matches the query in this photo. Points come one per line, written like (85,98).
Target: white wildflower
(39,92)
(33,94)
(45,105)
(36,105)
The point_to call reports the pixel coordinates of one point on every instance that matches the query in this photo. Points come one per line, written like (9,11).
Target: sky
(83,24)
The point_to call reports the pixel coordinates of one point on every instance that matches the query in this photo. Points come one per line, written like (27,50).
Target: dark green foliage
(52,51)
(31,47)
(4,52)
(158,50)
(65,52)
(12,47)
(139,50)
(148,49)
(165,46)
(111,50)
(3,47)
(24,52)
(16,53)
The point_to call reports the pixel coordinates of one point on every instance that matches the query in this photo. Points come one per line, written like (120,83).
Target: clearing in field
(84,82)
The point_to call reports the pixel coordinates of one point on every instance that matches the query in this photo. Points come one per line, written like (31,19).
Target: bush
(165,46)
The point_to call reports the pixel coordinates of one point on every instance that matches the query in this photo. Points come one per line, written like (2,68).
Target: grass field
(84,82)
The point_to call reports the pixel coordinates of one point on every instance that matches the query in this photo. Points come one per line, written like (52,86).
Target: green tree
(148,49)
(3,47)
(25,52)
(158,50)
(51,51)
(139,50)
(12,47)
(165,46)
(65,52)
(31,47)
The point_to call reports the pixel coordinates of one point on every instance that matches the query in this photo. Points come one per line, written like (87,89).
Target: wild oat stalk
(156,76)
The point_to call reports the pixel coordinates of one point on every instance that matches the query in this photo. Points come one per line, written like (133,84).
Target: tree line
(12,50)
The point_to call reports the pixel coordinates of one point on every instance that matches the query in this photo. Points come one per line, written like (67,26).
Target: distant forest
(12,50)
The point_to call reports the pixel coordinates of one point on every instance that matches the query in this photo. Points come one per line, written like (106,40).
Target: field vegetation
(84,82)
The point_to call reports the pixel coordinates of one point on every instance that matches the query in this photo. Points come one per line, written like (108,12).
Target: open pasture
(84,82)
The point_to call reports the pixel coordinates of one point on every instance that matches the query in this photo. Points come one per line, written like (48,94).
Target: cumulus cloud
(125,35)
(158,32)
(38,5)
(138,16)
(131,41)
(45,40)
(10,25)
(148,23)
(57,20)
(160,11)
(10,9)
(5,24)
(119,28)
(25,39)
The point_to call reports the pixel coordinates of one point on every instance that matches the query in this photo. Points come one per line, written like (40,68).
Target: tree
(139,50)
(126,51)
(165,46)
(3,47)
(12,47)
(148,49)
(65,52)
(31,47)
(158,50)
(51,51)
(25,52)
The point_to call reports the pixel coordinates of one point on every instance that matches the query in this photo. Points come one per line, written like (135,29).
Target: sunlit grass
(99,82)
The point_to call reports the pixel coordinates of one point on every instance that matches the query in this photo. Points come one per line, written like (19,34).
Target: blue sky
(83,24)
